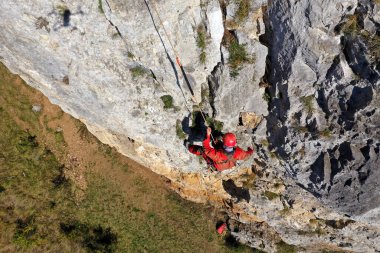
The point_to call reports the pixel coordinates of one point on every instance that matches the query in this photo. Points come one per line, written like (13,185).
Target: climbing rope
(237,168)
(178,61)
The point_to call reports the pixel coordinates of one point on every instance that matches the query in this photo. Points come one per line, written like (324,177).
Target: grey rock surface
(311,69)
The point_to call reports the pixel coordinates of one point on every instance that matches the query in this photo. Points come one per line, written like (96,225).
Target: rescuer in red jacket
(223,158)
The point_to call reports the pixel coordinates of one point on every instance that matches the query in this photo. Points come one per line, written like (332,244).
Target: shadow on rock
(197,130)
(235,191)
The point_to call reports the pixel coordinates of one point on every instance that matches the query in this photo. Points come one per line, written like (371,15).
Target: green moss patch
(168,101)
(138,71)
(271,195)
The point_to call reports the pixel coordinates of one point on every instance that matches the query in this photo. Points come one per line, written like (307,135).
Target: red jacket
(220,158)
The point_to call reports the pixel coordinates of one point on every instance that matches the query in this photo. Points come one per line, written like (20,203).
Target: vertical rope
(178,61)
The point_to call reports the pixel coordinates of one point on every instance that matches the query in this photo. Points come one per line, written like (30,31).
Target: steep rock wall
(310,72)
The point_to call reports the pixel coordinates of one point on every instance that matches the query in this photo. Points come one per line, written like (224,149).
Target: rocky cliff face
(298,79)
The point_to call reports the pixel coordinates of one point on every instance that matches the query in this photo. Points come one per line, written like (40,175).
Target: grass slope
(121,207)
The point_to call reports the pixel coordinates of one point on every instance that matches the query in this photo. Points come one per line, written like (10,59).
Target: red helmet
(229,140)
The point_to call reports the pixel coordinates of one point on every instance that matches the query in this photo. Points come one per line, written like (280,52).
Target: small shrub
(243,11)
(137,71)
(129,54)
(273,155)
(41,22)
(100,6)
(301,129)
(271,195)
(267,97)
(283,247)
(201,43)
(59,138)
(94,238)
(264,142)
(168,101)
(325,133)
(205,94)
(201,38)
(180,133)
(285,211)
(61,9)
(24,235)
(60,179)
(214,124)
(350,27)
(234,73)
(238,56)
(202,57)
(308,104)
(27,142)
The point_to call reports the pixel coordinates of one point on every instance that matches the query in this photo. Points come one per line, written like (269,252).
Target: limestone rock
(309,69)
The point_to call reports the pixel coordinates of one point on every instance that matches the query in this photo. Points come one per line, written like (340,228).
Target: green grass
(93,238)
(202,43)
(308,104)
(29,187)
(205,96)
(168,101)
(202,57)
(61,9)
(242,11)
(130,54)
(283,247)
(350,26)
(264,142)
(39,210)
(146,228)
(201,38)
(285,211)
(238,56)
(267,97)
(59,137)
(100,6)
(138,71)
(271,195)
(325,133)
(214,124)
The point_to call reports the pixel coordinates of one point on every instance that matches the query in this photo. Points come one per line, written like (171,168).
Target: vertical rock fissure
(213,81)
(279,60)
(111,23)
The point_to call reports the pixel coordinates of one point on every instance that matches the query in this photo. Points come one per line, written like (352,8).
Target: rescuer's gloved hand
(209,131)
